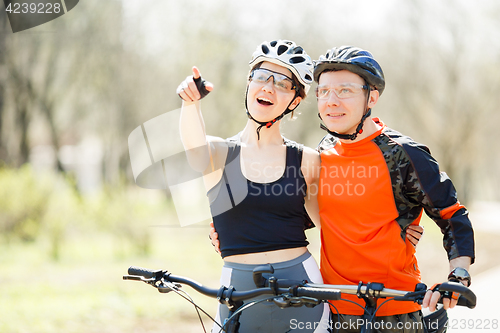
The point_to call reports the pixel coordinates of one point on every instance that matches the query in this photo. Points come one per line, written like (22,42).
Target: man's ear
(374,95)
(295,103)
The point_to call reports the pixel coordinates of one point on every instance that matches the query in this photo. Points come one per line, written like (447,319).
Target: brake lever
(139,278)
(167,286)
(151,281)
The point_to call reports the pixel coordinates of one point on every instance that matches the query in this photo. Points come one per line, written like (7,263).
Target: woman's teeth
(264,101)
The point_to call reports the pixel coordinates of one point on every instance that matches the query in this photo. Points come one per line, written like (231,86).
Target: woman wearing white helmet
(258,185)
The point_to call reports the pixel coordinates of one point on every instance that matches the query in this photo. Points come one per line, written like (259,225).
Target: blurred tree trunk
(22,122)
(3,29)
(49,94)
(45,72)
(30,95)
(22,108)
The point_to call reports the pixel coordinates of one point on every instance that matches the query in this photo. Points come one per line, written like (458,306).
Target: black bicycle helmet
(355,60)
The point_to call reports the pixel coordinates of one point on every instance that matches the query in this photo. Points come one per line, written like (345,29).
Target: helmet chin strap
(359,128)
(270,123)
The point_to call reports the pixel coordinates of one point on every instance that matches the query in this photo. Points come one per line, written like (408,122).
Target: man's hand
(188,90)
(431,298)
(414,233)
(214,237)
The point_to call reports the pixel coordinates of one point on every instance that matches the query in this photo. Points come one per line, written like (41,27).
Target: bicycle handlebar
(280,287)
(467,297)
(227,295)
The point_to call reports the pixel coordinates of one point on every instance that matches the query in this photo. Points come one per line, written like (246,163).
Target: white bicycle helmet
(287,54)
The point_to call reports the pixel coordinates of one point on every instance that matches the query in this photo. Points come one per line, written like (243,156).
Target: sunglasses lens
(280,81)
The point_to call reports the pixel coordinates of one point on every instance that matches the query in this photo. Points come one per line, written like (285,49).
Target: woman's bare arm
(192,126)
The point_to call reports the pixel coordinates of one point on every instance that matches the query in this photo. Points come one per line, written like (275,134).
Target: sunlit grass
(84,290)
(62,258)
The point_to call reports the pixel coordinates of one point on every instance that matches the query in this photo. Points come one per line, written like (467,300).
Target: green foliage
(62,209)
(127,214)
(33,204)
(46,205)
(24,198)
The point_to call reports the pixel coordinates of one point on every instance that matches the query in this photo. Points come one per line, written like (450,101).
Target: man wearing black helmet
(374,184)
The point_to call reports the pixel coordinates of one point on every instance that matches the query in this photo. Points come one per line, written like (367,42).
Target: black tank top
(255,217)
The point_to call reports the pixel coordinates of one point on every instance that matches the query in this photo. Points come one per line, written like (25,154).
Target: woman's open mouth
(264,101)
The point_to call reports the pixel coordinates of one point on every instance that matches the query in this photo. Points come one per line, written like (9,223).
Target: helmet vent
(297,60)
(273,43)
(282,49)
(265,49)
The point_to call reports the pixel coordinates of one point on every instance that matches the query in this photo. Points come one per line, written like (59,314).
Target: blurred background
(72,90)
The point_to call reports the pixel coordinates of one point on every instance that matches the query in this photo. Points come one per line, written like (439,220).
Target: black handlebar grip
(321,294)
(467,297)
(200,85)
(147,273)
(465,302)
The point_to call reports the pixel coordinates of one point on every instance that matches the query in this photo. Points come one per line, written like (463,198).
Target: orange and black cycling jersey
(370,191)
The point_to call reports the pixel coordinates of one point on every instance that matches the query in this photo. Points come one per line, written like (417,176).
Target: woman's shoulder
(311,156)
(311,164)
(215,139)
(217,143)
(307,152)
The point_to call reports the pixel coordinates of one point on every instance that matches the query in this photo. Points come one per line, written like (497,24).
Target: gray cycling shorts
(266,317)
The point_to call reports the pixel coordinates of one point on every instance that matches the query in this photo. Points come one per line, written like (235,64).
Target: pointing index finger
(196,72)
